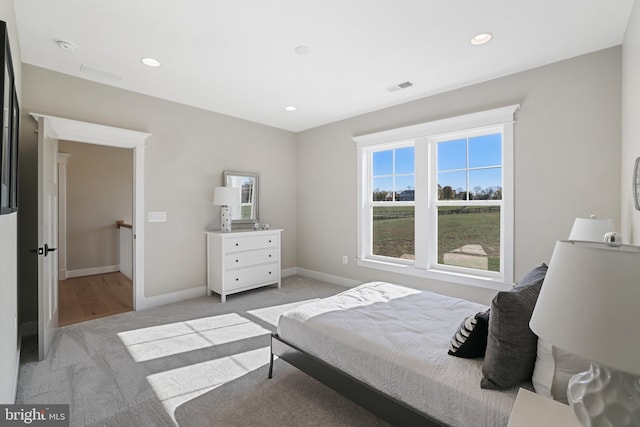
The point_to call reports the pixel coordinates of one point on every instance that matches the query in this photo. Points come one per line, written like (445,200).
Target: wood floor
(91,297)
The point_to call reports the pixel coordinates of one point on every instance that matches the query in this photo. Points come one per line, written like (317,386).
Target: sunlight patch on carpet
(181,385)
(181,337)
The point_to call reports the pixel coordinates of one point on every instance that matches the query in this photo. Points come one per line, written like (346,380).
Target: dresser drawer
(248,243)
(237,279)
(246,259)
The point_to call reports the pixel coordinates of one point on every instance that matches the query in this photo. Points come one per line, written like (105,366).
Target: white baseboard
(92,271)
(14,390)
(336,280)
(198,291)
(158,300)
(289,272)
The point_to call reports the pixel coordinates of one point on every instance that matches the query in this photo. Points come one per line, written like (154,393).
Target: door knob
(43,251)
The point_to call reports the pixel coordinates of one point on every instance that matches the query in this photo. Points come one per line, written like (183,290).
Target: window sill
(445,276)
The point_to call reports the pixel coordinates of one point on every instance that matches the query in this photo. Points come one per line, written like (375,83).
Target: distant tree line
(478,193)
(444,193)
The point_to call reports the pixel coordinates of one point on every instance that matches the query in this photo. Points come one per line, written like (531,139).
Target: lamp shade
(588,303)
(226,196)
(590,229)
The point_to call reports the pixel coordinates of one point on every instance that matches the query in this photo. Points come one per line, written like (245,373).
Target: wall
(630,125)
(567,158)
(99,192)
(9,350)
(184,160)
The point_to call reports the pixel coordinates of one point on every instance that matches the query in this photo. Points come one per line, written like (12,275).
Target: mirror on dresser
(247,212)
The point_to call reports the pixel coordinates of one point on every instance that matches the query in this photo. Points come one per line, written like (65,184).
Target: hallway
(92,297)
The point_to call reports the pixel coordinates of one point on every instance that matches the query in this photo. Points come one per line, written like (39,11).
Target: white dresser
(241,260)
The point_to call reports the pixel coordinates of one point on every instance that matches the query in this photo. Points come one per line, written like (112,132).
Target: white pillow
(553,370)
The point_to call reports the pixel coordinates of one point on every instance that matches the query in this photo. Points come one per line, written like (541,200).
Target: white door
(47,239)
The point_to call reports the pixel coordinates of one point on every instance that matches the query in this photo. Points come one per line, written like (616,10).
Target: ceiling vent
(96,72)
(399,86)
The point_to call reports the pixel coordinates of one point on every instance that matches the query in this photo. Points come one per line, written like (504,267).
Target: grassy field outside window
(394,235)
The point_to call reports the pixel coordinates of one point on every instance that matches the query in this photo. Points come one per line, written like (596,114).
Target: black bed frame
(381,404)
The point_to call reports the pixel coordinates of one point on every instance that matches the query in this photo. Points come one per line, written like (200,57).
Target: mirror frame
(256,194)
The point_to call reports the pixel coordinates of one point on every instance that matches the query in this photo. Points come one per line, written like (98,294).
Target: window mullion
(423,192)
(467,171)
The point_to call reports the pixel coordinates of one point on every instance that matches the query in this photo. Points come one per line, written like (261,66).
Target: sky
(482,154)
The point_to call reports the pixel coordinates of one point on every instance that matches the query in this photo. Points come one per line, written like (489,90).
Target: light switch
(157,216)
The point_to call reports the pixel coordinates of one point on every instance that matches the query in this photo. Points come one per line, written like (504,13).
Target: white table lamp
(590,229)
(226,197)
(587,306)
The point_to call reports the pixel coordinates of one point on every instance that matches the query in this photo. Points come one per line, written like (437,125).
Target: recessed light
(65,45)
(290,108)
(302,50)
(150,62)
(480,39)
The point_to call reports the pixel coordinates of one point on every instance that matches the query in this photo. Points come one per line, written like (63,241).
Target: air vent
(96,72)
(399,86)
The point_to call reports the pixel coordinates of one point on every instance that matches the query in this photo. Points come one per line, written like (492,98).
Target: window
(436,199)
(392,202)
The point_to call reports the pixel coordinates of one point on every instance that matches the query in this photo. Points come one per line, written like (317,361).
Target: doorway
(95,202)
(54,129)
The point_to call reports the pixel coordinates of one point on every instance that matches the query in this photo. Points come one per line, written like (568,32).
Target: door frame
(62,215)
(91,133)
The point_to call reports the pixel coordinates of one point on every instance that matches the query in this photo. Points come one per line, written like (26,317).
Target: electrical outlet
(157,217)
(345,259)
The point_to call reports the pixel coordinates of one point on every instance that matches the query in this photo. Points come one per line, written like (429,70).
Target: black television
(9,123)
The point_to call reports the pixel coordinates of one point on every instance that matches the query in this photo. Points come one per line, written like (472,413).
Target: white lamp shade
(226,196)
(588,303)
(590,229)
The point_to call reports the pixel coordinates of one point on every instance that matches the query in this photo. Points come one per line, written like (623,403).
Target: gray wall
(567,163)
(99,192)
(184,160)
(630,125)
(8,252)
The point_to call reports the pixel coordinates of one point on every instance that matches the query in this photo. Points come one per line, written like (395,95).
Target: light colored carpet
(193,363)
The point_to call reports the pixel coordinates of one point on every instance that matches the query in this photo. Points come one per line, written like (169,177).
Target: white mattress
(396,339)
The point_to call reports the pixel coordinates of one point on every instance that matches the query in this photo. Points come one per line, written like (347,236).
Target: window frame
(423,137)
(372,203)
(434,203)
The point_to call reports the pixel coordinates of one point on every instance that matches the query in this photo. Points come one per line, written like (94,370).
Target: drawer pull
(237,260)
(237,279)
(269,241)
(237,244)
(269,272)
(269,255)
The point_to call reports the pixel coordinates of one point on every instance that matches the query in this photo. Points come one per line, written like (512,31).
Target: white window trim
(421,134)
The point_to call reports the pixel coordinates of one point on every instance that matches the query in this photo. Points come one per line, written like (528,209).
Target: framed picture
(9,125)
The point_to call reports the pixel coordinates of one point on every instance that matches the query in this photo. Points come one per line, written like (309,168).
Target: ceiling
(239,57)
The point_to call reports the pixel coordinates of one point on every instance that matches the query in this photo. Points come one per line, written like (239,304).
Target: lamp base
(603,397)
(225,218)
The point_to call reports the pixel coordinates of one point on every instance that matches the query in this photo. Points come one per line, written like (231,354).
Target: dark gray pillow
(533,277)
(511,346)
(470,339)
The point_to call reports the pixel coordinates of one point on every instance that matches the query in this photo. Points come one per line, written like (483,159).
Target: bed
(385,347)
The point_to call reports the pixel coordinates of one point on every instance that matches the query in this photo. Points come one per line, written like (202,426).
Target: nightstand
(534,410)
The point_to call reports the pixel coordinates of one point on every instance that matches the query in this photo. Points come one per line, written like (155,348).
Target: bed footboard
(384,406)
